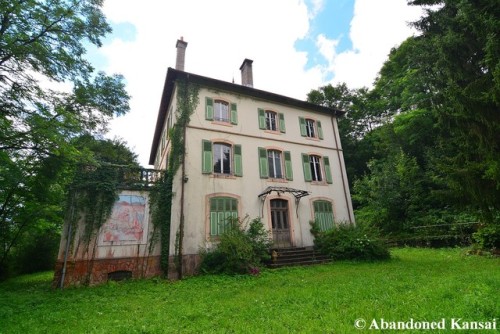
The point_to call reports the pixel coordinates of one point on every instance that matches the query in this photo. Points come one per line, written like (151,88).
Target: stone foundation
(190,266)
(77,272)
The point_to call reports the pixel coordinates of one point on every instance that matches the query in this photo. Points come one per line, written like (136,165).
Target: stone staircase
(299,256)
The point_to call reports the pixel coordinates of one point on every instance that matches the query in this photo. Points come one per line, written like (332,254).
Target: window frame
(279,121)
(316,169)
(211,110)
(272,157)
(285,164)
(321,166)
(219,148)
(325,219)
(220,103)
(271,117)
(310,128)
(214,229)
(208,159)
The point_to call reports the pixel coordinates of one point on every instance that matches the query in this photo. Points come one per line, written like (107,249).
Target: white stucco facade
(247,134)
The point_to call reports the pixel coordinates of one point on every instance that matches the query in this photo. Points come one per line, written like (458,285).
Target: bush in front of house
(347,241)
(241,249)
(487,238)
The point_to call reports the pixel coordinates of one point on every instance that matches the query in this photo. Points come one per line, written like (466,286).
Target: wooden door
(280,223)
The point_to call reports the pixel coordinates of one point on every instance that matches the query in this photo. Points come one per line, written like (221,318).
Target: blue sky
(296,46)
(333,21)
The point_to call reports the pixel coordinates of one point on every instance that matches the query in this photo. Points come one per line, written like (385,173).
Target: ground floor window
(323,214)
(222,210)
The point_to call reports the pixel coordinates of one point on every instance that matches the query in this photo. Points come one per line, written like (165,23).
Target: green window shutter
(207,164)
(238,162)
(263,167)
(262,119)
(234,114)
(323,215)
(302,122)
(320,130)
(209,109)
(307,167)
(288,166)
(328,170)
(282,122)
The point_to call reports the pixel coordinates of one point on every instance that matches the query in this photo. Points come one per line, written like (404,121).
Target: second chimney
(246,73)
(181,54)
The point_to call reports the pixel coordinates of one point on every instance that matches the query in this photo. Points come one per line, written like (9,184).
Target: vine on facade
(161,196)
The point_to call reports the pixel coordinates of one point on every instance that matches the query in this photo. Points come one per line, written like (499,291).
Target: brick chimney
(246,73)
(181,54)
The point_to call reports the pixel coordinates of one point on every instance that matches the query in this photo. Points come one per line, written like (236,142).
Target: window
(310,128)
(271,120)
(272,163)
(323,214)
(221,111)
(222,211)
(221,158)
(316,168)
(274,159)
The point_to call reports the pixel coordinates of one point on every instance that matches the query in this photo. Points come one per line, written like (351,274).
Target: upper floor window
(314,163)
(221,158)
(310,132)
(275,164)
(221,111)
(310,128)
(316,168)
(271,120)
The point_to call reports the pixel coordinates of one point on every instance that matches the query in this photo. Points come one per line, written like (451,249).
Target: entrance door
(280,223)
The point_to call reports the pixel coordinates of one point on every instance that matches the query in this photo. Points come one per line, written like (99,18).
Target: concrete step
(299,256)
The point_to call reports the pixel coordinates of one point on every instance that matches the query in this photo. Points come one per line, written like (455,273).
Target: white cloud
(327,47)
(377,26)
(221,33)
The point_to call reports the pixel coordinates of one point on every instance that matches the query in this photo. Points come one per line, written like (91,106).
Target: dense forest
(421,147)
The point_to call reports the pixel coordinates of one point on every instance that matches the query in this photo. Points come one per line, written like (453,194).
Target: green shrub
(350,242)
(241,249)
(487,237)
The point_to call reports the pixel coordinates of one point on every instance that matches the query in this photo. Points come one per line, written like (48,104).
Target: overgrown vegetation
(241,249)
(421,147)
(41,42)
(162,195)
(419,284)
(350,242)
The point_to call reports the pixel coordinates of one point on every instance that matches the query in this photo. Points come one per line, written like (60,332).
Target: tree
(462,49)
(359,119)
(42,44)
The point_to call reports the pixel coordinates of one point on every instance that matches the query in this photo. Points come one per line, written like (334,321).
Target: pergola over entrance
(297,193)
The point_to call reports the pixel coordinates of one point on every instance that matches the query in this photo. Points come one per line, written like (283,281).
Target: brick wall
(77,271)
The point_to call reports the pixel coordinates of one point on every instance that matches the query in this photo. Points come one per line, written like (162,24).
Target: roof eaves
(173,75)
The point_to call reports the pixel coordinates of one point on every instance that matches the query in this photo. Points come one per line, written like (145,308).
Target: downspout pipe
(181,223)
(342,169)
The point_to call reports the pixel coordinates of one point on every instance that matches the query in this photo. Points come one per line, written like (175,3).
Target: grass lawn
(419,284)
